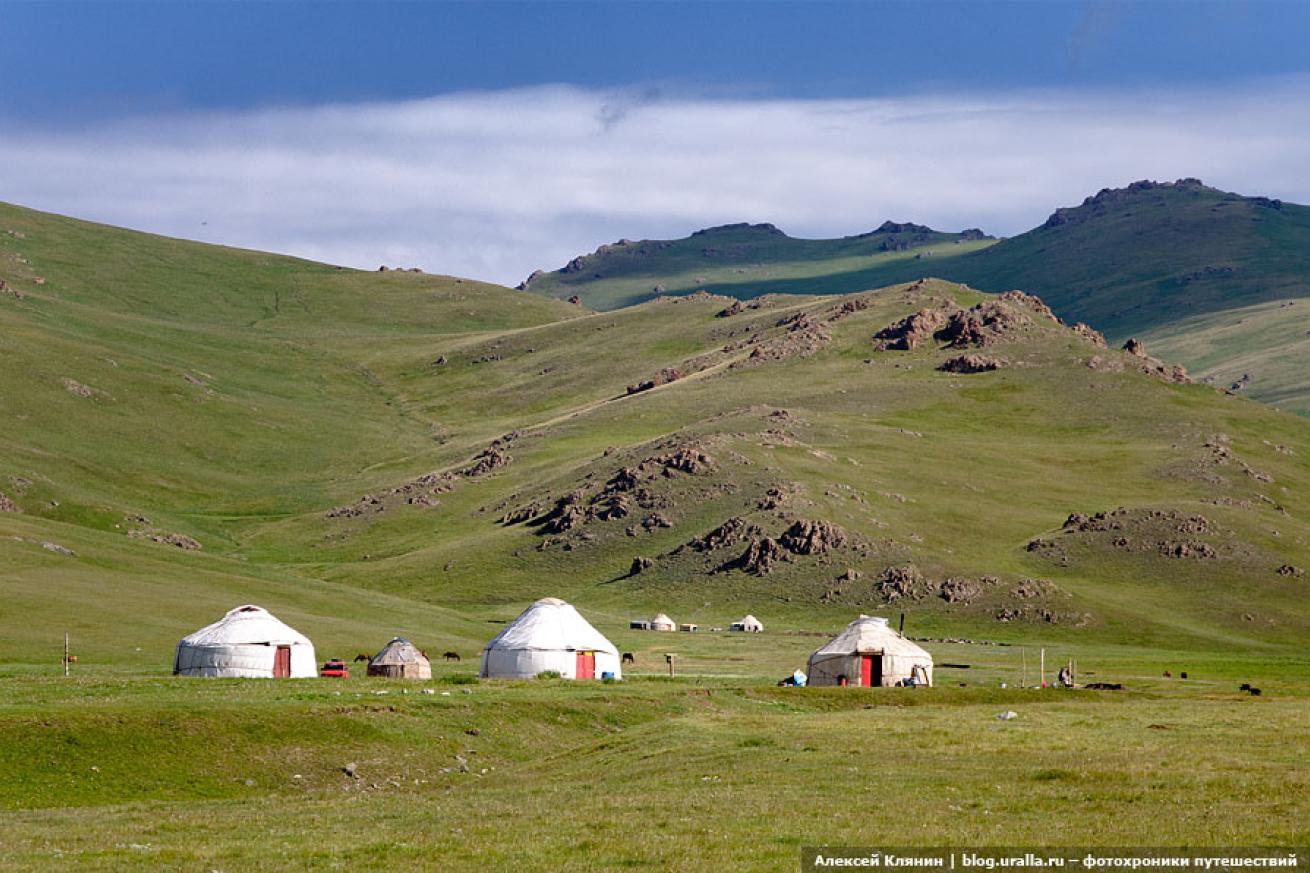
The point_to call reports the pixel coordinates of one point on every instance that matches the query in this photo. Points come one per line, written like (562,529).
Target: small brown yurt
(400,659)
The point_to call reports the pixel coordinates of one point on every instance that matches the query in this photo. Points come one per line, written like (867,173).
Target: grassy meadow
(379,454)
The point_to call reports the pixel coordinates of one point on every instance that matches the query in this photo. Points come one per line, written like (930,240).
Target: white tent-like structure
(869,653)
(400,659)
(662,622)
(749,624)
(550,635)
(247,642)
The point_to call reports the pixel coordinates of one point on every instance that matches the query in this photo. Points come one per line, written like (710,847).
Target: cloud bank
(493,185)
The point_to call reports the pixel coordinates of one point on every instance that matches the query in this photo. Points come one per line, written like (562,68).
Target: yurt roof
(550,624)
(246,625)
(750,619)
(870,633)
(396,653)
(661,619)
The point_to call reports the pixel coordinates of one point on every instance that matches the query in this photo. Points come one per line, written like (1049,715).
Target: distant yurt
(869,653)
(247,642)
(749,624)
(550,635)
(400,659)
(662,622)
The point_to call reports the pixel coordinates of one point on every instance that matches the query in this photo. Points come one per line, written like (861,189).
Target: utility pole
(1042,674)
(1023,658)
(65,654)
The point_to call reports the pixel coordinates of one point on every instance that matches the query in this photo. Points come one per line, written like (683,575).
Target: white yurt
(662,622)
(869,653)
(400,659)
(550,635)
(749,624)
(247,642)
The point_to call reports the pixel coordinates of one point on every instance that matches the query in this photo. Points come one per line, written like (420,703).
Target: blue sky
(65,60)
(488,139)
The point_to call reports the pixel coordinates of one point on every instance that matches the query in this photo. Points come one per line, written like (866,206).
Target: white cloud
(493,185)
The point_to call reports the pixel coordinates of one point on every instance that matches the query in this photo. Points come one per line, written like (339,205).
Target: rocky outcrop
(910,331)
(663,377)
(806,537)
(972,364)
(1154,366)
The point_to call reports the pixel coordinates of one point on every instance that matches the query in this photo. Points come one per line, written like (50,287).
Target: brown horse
(451,656)
(363,656)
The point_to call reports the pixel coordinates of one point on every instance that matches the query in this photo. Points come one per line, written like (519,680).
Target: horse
(451,656)
(628,659)
(363,656)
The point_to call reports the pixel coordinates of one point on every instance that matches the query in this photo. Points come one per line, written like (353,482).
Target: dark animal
(1245,686)
(1255,692)
(363,656)
(1168,675)
(628,659)
(1104,686)
(72,659)
(451,656)
(1182,675)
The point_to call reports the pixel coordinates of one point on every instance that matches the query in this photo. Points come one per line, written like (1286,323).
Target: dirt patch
(973,364)
(72,386)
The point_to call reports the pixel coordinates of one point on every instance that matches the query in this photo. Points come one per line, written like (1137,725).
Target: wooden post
(902,630)
(669,658)
(65,655)
(1042,669)
(1023,657)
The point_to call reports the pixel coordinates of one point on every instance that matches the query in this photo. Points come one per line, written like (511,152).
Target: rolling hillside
(1202,274)
(748,261)
(187,427)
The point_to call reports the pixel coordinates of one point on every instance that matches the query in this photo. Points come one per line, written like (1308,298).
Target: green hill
(187,428)
(327,436)
(1178,264)
(748,261)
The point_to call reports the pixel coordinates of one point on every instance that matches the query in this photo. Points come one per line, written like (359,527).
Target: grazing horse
(628,659)
(451,656)
(363,656)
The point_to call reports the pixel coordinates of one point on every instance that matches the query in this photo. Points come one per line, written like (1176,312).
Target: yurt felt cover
(751,623)
(547,636)
(400,658)
(867,635)
(662,622)
(243,643)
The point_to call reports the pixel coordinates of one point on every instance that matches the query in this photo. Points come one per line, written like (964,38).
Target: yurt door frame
(870,670)
(585,666)
(282,662)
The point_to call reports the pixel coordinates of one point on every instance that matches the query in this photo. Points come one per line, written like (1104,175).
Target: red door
(870,671)
(282,662)
(586,668)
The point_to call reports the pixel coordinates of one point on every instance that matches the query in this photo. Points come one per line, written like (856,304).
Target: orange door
(282,662)
(586,667)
